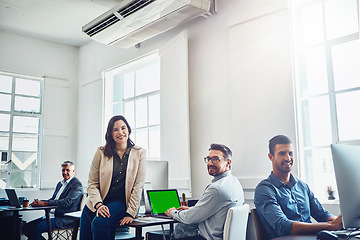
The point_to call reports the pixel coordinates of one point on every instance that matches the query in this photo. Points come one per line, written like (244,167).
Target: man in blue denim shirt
(284,203)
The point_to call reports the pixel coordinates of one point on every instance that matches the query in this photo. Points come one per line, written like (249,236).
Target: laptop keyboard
(346,233)
(150,219)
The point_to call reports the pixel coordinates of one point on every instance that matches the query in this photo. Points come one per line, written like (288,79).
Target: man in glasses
(284,203)
(207,218)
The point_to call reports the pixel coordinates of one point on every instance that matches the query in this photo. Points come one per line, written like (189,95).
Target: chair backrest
(261,233)
(236,223)
(82,201)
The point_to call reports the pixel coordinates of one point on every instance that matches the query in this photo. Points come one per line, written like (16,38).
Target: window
(135,93)
(327,79)
(20,124)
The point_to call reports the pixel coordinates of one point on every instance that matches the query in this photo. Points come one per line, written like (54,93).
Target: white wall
(240,89)
(59,63)
(240,86)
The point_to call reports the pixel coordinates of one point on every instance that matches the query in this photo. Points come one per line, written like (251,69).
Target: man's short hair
(64,164)
(279,139)
(221,147)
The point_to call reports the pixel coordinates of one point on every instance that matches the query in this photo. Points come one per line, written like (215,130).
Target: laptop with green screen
(162,200)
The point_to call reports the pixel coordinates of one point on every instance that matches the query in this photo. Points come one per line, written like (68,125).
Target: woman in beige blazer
(116,180)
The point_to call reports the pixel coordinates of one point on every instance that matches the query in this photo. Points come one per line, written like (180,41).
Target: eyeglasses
(215,159)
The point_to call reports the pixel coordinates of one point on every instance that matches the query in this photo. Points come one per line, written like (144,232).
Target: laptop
(162,200)
(13,199)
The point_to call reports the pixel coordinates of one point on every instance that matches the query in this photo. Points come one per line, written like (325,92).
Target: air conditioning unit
(134,21)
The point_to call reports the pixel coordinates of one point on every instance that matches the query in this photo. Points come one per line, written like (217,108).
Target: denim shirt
(279,205)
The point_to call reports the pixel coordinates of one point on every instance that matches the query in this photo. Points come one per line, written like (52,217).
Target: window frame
(127,67)
(14,113)
(330,94)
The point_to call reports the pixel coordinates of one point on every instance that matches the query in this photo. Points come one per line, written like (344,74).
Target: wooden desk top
(149,221)
(297,237)
(306,237)
(8,208)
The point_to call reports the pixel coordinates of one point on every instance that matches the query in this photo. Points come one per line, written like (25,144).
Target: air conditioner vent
(134,21)
(133,7)
(124,12)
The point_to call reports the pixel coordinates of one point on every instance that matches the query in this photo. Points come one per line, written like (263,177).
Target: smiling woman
(116,180)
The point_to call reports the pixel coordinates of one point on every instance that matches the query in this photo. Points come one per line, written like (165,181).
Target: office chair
(260,231)
(234,228)
(67,233)
(236,223)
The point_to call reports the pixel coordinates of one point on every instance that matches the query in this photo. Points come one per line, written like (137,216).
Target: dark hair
(221,147)
(110,143)
(64,164)
(279,139)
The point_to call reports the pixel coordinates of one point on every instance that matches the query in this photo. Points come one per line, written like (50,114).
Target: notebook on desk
(162,200)
(13,199)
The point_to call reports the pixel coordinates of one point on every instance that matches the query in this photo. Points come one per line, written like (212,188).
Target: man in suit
(67,197)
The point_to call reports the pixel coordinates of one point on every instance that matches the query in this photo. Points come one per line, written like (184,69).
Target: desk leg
(16,230)
(75,229)
(138,233)
(47,214)
(171,228)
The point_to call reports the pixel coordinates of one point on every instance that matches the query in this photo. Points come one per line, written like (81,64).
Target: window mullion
(332,97)
(147,124)
(11,132)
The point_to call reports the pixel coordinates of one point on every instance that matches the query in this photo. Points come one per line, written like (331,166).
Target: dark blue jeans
(34,229)
(92,227)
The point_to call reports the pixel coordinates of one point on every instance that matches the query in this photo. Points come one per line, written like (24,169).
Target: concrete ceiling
(53,20)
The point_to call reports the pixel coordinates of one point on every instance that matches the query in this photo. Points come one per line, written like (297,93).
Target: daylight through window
(133,90)
(326,53)
(20,124)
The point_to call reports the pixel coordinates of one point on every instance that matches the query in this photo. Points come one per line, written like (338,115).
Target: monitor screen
(346,159)
(162,200)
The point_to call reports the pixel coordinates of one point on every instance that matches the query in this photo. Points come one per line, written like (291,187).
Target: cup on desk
(184,203)
(25,203)
(21,199)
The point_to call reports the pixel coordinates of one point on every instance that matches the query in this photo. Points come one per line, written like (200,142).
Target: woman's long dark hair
(110,143)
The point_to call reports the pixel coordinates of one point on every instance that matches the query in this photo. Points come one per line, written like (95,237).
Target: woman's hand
(103,211)
(126,220)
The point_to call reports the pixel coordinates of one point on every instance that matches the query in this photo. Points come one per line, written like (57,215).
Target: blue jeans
(92,227)
(34,229)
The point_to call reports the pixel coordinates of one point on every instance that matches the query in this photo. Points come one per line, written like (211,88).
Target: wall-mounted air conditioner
(134,21)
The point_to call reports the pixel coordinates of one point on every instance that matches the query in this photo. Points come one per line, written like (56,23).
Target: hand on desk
(335,223)
(169,211)
(126,220)
(179,208)
(39,203)
(183,208)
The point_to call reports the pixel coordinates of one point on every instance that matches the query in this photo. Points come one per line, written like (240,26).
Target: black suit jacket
(69,201)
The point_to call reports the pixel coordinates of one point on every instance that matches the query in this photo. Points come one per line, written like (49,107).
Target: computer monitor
(157,174)
(156,178)
(346,159)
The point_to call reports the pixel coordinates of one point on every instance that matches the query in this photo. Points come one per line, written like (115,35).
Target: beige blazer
(101,174)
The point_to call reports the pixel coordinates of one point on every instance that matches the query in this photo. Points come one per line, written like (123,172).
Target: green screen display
(163,200)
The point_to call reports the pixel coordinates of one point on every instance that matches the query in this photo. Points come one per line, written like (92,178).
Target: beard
(213,171)
(282,169)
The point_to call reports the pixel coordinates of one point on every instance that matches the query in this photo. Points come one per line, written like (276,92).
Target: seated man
(207,218)
(284,203)
(67,197)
